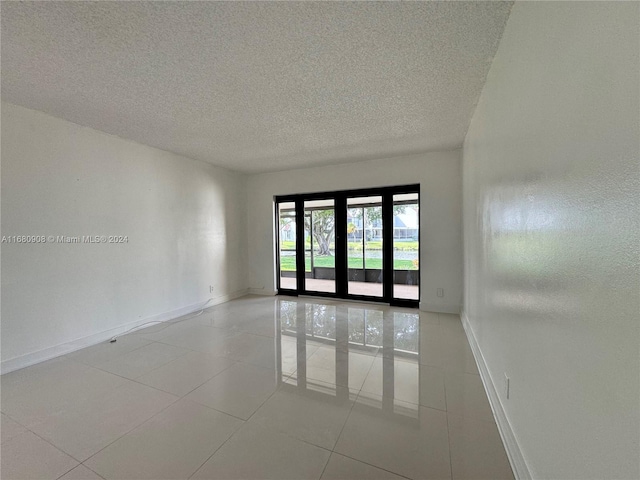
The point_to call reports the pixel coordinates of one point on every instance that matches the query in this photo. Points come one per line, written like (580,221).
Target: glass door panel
(364,246)
(406,247)
(319,246)
(287,244)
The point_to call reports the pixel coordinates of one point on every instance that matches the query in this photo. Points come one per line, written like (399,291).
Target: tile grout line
(178,398)
(244,423)
(355,400)
(154,368)
(43,439)
(57,478)
(132,429)
(48,442)
(134,380)
(80,464)
(234,433)
(207,380)
(216,450)
(374,466)
(353,458)
(54,446)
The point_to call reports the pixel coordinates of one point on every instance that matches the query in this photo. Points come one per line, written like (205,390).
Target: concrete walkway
(409,292)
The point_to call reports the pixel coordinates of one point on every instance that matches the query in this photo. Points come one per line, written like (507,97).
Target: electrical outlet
(440,292)
(210,288)
(506,386)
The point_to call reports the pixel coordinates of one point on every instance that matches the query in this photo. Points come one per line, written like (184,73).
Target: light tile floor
(264,388)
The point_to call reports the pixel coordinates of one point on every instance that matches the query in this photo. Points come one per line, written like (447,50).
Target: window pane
(287,244)
(406,246)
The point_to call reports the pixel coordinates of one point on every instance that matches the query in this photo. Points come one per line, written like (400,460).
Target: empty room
(320,240)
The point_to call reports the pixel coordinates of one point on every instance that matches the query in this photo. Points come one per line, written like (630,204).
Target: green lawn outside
(372,245)
(288,263)
(403,245)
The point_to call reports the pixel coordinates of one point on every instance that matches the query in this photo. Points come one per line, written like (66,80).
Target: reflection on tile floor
(260,387)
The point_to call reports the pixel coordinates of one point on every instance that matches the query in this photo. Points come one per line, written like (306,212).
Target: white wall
(440,182)
(551,235)
(186,223)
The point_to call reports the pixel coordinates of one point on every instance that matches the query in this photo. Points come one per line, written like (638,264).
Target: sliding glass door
(358,244)
(319,246)
(364,240)
(406,243)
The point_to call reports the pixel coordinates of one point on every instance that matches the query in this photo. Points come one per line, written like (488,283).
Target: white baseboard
(262,291)
(438,308)
(518,463)
(228,297)
(32,358)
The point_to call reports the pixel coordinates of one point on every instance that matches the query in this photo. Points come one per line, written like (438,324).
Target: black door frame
(341,261)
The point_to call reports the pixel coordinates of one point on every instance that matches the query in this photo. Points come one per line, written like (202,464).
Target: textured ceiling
(256,86)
